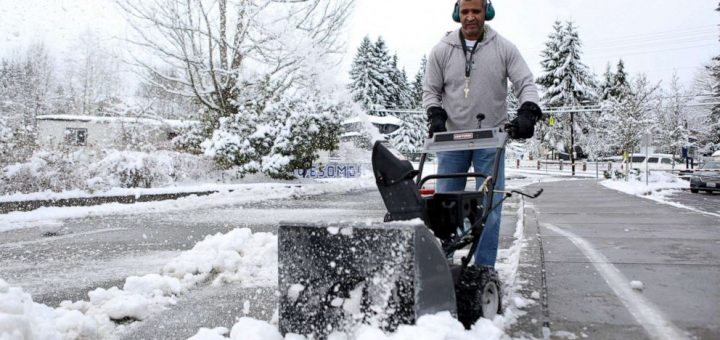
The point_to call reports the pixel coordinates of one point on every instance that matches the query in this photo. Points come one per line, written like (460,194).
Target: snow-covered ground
(658,186)
(239,256)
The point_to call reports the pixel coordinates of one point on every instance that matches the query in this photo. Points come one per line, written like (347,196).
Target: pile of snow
(238,257)
(658,183)
(428,327)
(21,318)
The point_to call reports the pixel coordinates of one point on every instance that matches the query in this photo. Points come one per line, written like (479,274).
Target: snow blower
(336,276)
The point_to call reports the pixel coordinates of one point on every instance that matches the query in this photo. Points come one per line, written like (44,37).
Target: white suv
(657,161)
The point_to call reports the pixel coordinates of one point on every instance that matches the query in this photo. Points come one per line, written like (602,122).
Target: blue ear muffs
(489,11)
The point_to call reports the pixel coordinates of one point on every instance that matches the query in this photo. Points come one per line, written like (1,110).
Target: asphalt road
(707,202)
(587,244)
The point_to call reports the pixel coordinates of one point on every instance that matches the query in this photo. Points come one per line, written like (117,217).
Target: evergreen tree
(375,78)
(712,122)
(567,84)
(400,95)
(364,84)
(549,135)
(383,72)
(620,86)
(605,86)
(417,87)
(551,60)
(411,135)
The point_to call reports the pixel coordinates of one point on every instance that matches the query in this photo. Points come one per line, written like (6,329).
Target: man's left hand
(523,126)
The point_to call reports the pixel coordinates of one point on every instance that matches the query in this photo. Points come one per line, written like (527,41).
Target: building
(74,131)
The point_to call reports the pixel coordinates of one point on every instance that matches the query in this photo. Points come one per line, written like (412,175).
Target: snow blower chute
(336,276)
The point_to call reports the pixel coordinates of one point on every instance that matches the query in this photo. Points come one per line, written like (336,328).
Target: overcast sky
(654,37)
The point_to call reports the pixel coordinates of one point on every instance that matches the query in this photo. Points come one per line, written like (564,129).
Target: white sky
(654,37)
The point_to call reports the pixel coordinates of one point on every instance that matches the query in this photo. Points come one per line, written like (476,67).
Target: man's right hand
(437,116)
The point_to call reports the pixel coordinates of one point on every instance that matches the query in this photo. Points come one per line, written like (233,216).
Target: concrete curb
(534,323)
(6,207)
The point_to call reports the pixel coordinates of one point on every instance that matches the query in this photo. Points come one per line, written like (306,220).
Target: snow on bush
(21,318)
(100,171)
(46,170)
(277,134)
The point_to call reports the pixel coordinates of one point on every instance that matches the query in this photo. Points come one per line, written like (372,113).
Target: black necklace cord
(468,60)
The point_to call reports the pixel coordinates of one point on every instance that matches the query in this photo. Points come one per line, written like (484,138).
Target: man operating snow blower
(333,277)
(467,75)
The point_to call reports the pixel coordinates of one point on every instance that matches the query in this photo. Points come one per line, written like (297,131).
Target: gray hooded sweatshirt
(495,60)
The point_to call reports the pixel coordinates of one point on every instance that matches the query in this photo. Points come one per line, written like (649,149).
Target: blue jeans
(482,161)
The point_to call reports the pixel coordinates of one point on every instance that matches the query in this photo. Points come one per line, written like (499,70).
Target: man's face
(472,18)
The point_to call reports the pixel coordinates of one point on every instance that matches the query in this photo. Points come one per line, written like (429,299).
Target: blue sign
(332,170)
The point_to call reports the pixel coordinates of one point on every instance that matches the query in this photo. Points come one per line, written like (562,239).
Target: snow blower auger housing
(333,277)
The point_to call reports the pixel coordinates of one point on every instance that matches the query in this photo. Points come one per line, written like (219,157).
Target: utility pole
(572,142)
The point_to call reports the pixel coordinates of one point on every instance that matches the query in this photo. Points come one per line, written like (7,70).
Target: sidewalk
(587,243)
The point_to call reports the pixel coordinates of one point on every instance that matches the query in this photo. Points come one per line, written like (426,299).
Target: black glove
(523,126)
(437,116)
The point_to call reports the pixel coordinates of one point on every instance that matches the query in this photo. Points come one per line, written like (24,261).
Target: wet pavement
(592,242)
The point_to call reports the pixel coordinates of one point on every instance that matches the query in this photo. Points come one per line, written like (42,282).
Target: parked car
(707,178)
(716,155)
(658,161)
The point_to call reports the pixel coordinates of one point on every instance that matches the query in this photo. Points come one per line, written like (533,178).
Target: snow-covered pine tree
(712,121)
(567,84)
(363,85)
(712,138)
(382,68)
(411,135)
(400,95)
(550,62)
(417,90)
(620,86)
(605,84)
(550,135)
(671,132)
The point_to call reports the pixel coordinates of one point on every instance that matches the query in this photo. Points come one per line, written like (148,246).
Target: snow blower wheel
(478,295)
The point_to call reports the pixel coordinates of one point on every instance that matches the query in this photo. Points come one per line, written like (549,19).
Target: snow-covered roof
(175,123)
(386,120)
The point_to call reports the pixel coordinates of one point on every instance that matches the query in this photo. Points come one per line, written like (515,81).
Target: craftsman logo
(463,136)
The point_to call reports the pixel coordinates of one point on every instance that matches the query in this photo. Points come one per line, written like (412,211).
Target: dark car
(707,178)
